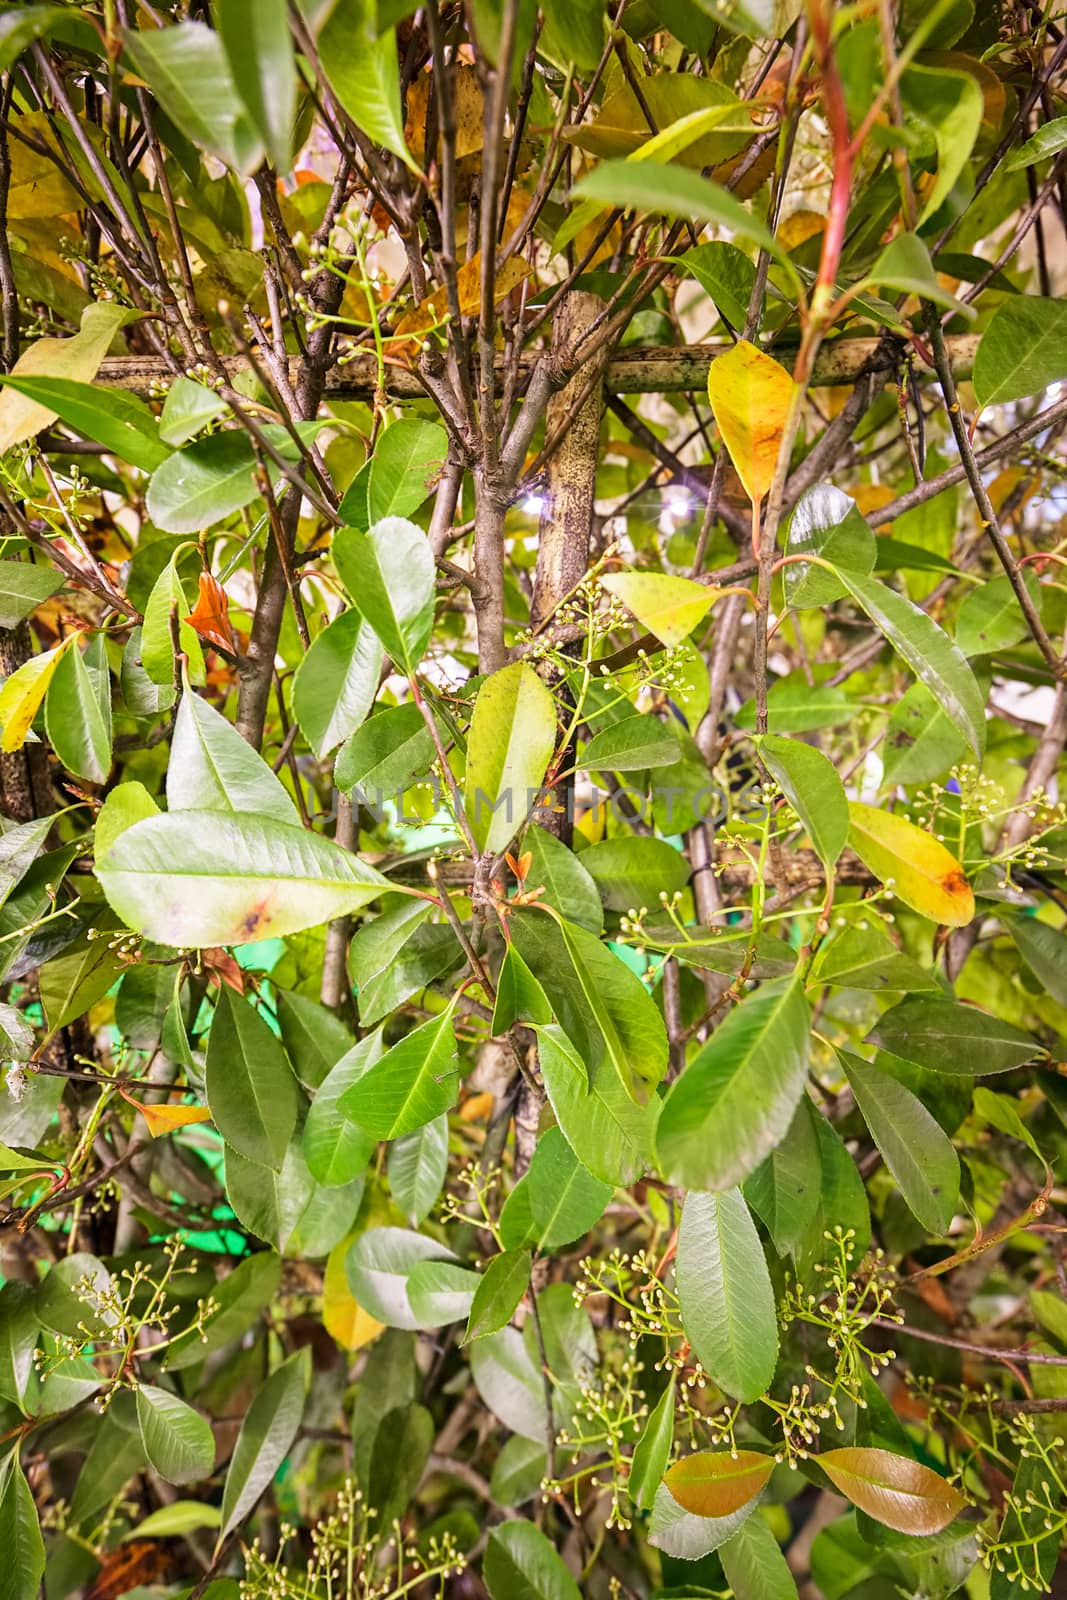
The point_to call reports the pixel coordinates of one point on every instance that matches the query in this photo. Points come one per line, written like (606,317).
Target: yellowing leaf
(918,868)
(342,1315)
(164,1119)
(78,357)
(431,312)
(894,1490)
(714,1483)
(21,696)
(750,395)
(668,607)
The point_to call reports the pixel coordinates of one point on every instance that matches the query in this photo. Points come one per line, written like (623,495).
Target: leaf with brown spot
(211,614)
(894,1490)
(129,1567)
(751,396)
(714,1483)
(923,874)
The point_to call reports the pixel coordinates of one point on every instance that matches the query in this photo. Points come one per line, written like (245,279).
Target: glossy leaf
(512,737)
(379,1265)
(440,1292)
(381,758)
(991,619)
(521,1564)
(916,866)
(714,1483)
(668,607)
(20,1534)
(122,423)
(609,1132)
(631,872)
(1048,141)
(825,523)
(563,880)
(632,745)
(894,1490)
(188,72)
(944,1036)
(337,1149)
(242,878)
(417,1167)
(255,36)
(811,785)
(914,1146)
(361,65)
(23,587)
(250,1086)
(1022,350)
(565,1199)
(672,191)
(213,769)
(652,1451)
(413,1083)
(755,1566)
(336,682)
(23,693)
(751,396)
(266,1438)
(76,358)
(499,1292)
(686,1537)
(726,1298)
(1044,949)
(389,574)
(736,1098)
(784,1189)
(168,598)
(177,1441)
(406,462)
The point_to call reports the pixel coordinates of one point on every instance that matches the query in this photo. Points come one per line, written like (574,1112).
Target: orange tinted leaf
(668,607)
(894,1490)
(923,874)
(431,312)
(211,614)
(750,395)
(714,1483)
(165,1118)
(129,1567)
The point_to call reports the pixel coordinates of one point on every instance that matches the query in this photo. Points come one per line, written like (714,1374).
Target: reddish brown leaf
(894,1490)
(713,1483)
(211,614)
(129,1567)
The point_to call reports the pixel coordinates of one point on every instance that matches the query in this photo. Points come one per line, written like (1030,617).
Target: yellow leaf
(342,1315)
(78,357)
(430,313)
(750,395)
(164,1119)
(921,872)
(22,694)
(668,607)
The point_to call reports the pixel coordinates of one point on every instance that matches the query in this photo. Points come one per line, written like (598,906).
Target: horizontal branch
(657,369)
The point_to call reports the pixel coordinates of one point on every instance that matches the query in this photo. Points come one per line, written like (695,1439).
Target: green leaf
(565,1199)
(414,1082)
(726,276)
(389,574)
(20,1535)
(565,881)
(250,1086)
(509,1383)
(914,1146)
(754,1565)
(518,1470)
(157,645)
(204,878)
(212,768)
(398,1457)
(784,1189)
(715,1483)
(921,742)
(725,1295)
(77,358)
(186,69)
(417,1167)
(894,1490)
(255,36)
(810,783)
(795,706)
(406,462)
(928,651)
(78,712)
(19,1330)
(20,846)
(177,1441)
(521,1564)
(1022,351)
(336,1149)
(209,480)
(382,757)
(990,617)
(379,1265)
(949,105)
(286,1207)
(121,422)
(736,1099)
(825,523)
(500,1289)
(126,804)
(189,406)
(336,682)
(115,1455)
(23,587)
(21,25)
(605,1127)
(864,957)
(905,265)
(361,65)
(519,996)
(673,191)
(842,1199)
(180,1517)
(512,737)
(668,607)
(266,1438)
(652,1451)
(632,745)
(1048,141)
(604,1008)
(396,955)
(440,1292)
(945,1036)
(1044,949)
(240,1300)
(631,872)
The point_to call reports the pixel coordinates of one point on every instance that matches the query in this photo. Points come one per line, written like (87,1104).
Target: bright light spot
(534,504)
